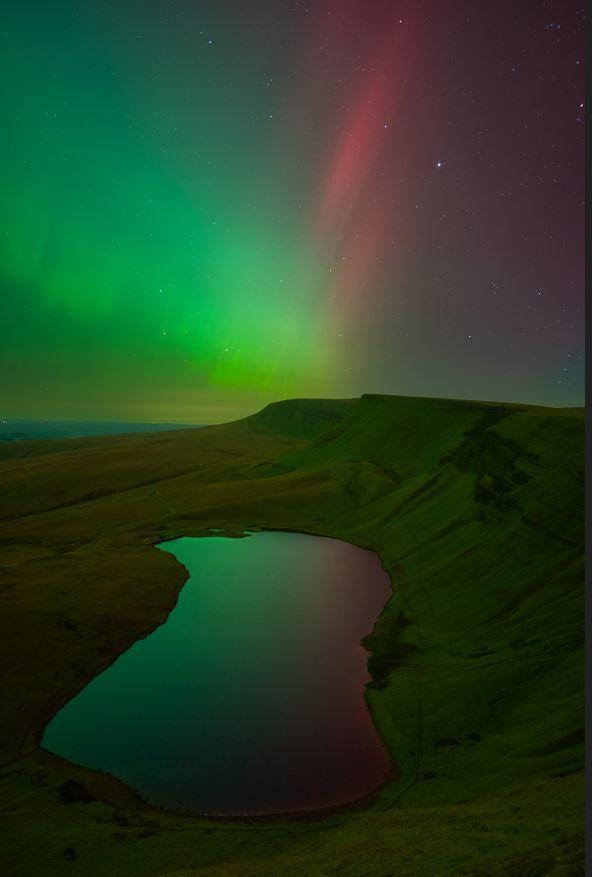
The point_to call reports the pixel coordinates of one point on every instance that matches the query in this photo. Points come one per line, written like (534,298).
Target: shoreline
(304,814)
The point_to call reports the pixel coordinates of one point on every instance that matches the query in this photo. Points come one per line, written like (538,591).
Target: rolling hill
(476,510)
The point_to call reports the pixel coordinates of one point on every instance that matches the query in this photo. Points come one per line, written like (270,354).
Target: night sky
(208,206)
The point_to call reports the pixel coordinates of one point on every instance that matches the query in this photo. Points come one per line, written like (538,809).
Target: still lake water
(250,697)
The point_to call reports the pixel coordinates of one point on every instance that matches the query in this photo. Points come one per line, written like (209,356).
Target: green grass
(476,510)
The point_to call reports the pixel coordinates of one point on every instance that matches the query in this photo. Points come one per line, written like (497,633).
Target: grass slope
(476,510)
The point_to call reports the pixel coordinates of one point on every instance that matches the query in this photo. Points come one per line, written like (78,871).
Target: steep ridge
(476,510)
(302,418)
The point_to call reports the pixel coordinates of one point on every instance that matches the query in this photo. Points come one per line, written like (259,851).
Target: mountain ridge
(476,510)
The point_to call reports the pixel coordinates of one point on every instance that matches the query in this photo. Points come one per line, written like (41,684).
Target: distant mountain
(26,430)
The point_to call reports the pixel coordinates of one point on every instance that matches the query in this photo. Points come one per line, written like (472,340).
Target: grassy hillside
(476,510)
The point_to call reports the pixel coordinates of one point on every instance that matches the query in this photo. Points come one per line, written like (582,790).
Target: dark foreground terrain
(477,662)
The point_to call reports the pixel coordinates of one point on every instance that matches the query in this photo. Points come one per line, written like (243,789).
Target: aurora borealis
(209,206)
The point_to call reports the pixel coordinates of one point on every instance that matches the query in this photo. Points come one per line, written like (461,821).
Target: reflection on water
(250,697)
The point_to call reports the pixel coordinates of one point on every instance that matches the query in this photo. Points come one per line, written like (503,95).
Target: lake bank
(250,698)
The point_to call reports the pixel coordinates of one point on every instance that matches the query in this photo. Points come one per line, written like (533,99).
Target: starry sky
(208,206)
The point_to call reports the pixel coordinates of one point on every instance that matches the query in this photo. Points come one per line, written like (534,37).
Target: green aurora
(211,206)
(121,264)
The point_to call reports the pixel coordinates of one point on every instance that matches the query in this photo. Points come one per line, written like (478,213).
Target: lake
(249,699)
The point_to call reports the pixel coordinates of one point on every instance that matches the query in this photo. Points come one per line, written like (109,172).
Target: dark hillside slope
(301,418)
(476,510)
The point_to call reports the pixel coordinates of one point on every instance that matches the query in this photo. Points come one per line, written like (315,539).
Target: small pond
(250,697)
